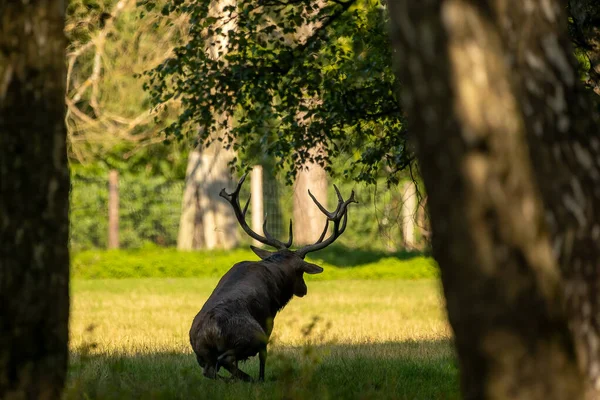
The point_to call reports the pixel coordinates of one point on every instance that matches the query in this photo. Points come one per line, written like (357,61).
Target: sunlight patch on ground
(140,315)
(371,340)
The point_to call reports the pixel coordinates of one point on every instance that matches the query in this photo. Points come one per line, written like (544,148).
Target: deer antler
(340,215)
(234,199)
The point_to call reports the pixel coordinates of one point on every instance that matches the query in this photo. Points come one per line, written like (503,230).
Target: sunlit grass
(371,339)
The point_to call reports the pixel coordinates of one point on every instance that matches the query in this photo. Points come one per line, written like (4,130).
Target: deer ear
(261,252)
(311,268)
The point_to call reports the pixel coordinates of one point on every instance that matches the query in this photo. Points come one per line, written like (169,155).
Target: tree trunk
(34,200)
(309,221)
(408,214)
(562,128)
(257,206)
(423,224)
(207,221)
(502,282)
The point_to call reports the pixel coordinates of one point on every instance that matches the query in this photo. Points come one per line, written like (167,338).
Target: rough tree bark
(563,133)
(490,87)
(34,199)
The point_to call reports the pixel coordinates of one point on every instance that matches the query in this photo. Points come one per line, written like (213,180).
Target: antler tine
(281,245)
(236,191)
(233,198)
(288,244)
(266,232)
(344,204)
(324,231)
(339,195)
(344,221)
(340,215)
(246,206)
(330,215)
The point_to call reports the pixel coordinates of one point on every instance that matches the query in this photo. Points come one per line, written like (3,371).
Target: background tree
(337,79)
(522,131)
(34,193)
(309,220)
(206,221)
(108,114)
(311,175)
(518,152)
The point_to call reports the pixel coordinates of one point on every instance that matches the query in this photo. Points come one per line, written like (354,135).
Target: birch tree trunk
(34,201)
(506,134)
(308,220)
(206,220)
(257,206)
(408,213)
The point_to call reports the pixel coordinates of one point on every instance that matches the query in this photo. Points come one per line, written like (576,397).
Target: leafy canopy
(279,78)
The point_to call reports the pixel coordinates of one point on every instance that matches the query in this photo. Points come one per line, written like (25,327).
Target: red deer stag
(236,321)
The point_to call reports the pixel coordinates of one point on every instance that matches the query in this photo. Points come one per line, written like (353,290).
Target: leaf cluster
(297,80)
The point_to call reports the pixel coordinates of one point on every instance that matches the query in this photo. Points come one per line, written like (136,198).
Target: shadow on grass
(393,370)
(341,256)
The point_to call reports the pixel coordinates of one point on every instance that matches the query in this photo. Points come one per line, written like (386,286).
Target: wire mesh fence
(150,211)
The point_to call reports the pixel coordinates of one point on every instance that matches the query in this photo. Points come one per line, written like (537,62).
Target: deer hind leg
(229,362)
(209,371)
(262,355)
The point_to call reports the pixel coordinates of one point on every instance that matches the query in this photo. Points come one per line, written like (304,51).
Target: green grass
(347,339)
(339,263)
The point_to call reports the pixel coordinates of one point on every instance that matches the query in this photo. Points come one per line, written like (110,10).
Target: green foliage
(149,209)
(294,76)
(88,213)
(339,263)
(583,29)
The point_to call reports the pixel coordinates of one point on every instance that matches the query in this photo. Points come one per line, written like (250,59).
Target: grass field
(347,339)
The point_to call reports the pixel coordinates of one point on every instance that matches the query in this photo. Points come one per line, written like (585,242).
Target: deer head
(294,259)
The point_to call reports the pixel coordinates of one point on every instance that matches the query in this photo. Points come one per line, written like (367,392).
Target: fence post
(113,209)
(256,191)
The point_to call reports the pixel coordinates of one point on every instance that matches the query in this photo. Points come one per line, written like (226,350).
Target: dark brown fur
(236,321)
